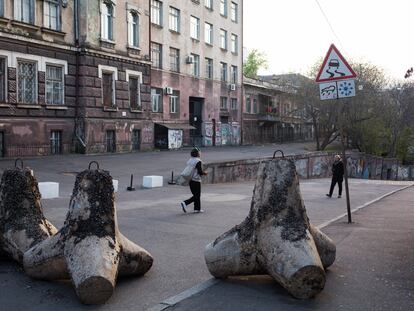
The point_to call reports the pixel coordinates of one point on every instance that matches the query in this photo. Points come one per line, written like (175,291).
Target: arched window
(107,20)
(133,31)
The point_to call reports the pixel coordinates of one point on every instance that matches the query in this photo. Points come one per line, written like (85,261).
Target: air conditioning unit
(232,87)
(189,59)
(169,90)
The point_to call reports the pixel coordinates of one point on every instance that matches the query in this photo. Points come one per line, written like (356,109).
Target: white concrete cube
(49,190)
(152,181)
(115,184)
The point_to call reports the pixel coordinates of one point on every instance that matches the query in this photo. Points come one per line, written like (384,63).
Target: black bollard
(172,182)
(130,188)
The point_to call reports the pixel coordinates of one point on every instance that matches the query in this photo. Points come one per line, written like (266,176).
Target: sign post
(336,80)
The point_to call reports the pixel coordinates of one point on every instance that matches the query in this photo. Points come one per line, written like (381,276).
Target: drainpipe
(242,78)
(76,25)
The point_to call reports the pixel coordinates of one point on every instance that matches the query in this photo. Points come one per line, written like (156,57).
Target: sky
(294,34)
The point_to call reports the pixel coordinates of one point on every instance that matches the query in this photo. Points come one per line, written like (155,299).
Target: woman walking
(195,181)
(337,176)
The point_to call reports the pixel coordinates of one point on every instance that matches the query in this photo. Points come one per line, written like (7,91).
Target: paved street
(373,271)
(63,169)
(153,219)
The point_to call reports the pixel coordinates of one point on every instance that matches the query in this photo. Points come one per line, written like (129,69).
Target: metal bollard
(172,182)
(131,188)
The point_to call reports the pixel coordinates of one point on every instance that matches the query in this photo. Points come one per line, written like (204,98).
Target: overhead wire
(329,23)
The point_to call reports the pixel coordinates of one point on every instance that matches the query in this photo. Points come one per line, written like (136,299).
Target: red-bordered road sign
(334,67)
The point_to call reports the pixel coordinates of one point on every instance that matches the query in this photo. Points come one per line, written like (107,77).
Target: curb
(327,223)
(172,301)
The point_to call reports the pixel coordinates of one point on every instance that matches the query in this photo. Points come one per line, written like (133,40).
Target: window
(233,12)
(233,103)
(195,27)
(223,39)
(24,11)
(156,100)
(233,74)
(174,101)
(209,68)
(223,72)
(2,80)
(27,82)
(108,93)
(195,66)
(234,43)
(223,103)
(208,4)
(254,105)
(54,85)
(208,33)
(174,19)
(223,7)
(2,15)
(156,12)
(135,93)
(56,142)
(248,104)
(174,60)
(110,141)
(133,29)
(107,16)
(156,55)
(51,14)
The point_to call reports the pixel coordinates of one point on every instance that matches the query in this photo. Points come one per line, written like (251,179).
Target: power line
(329,23)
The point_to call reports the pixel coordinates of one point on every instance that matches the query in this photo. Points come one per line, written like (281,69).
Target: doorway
(195,119)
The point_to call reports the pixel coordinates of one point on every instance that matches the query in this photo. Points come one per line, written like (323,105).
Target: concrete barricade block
(49,190)
(152,181)
(115,184)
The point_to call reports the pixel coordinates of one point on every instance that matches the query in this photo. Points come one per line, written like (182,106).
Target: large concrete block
(49,190)
(152,181)
(89,248)
(22,223)
(115,183)
(276,238)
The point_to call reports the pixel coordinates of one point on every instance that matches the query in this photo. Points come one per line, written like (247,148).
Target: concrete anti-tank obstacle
(276,238)
(22,223)
(89,248)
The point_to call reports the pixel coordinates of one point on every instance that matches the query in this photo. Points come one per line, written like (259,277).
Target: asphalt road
(153,219)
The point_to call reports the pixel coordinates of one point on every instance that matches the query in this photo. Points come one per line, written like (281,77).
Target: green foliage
(255,61)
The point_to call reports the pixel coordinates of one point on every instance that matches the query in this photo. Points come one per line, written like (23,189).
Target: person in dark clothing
(337,176)
(195,181)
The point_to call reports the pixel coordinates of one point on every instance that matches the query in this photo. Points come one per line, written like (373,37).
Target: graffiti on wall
(226,135)
(218,134)
(208,134)
(236,133)
(147,135)
(175,139)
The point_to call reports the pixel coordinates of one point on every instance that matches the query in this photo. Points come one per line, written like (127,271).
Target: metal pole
(344,160)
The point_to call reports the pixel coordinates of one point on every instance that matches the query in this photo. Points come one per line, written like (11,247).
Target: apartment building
(74,76)
(196,76)
(272,114)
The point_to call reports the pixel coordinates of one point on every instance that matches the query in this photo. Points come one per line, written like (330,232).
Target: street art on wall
(175,139)
(218,134)
(147,135)
(226,134)
(208,134)
(236,133)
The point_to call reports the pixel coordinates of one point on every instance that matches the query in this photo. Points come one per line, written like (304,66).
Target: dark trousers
(333,183)
(195,188)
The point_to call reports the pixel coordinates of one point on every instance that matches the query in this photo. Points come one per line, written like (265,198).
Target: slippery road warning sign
(334,67)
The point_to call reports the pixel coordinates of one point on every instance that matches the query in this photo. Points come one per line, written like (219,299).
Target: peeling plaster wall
(313,165)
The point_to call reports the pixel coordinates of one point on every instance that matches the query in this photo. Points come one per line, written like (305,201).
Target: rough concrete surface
(89,247)
(275,238)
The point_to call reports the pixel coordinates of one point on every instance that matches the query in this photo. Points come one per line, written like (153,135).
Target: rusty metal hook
(274,154)
(21,163)
(97,165)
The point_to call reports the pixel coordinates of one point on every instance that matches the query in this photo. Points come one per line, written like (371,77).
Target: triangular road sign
(334,67)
